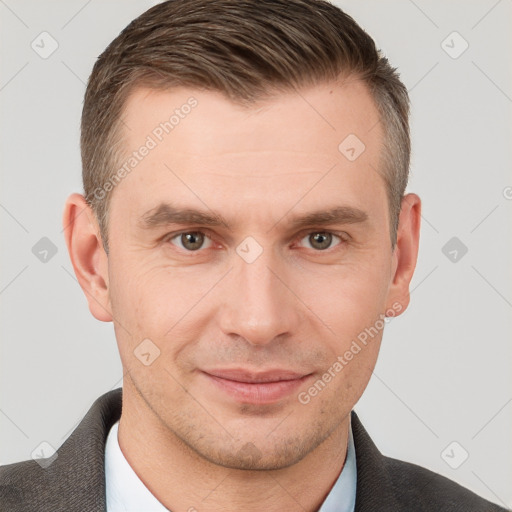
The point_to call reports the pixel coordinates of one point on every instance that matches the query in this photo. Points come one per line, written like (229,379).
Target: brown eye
(190,241)
(320,240)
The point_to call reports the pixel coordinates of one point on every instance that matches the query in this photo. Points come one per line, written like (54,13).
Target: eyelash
(344,238)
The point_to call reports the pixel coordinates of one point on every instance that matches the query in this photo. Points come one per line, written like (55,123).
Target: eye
(320,240)
(191,240)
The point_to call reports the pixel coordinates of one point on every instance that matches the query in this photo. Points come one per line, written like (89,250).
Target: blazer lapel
(374,485)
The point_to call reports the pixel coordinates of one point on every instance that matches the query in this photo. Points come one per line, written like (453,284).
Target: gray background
(444,371)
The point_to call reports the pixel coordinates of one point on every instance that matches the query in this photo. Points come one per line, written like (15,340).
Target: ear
(89,260)
(405,253)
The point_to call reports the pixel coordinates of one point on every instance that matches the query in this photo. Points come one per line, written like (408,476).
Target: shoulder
(73,478)
(423,489)
(391,485)
(14,479)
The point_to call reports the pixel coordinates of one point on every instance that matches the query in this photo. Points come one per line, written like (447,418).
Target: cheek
(344,380)
(137,303)
(161,303)
(347,298)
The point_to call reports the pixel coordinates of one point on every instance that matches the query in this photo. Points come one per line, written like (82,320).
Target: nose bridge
(259,307)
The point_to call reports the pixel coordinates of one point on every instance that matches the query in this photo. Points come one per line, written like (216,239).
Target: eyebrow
(166,214)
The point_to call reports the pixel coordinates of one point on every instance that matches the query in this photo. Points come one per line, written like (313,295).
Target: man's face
(258,295)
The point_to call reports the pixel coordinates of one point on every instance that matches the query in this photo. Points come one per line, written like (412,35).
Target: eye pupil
(320,241)
(192,241)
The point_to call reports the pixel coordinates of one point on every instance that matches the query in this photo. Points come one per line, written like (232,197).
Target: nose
(258,305)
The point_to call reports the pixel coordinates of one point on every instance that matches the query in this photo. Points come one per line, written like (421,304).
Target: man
(243,226)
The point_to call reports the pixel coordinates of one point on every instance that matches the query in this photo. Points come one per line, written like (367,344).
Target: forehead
(330,109)
(325,139)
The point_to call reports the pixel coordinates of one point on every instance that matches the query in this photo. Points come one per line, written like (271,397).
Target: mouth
(256,387)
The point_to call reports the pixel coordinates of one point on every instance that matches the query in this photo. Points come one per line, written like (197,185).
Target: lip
(256,387)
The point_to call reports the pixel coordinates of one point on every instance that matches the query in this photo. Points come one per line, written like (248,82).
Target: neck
(181,479)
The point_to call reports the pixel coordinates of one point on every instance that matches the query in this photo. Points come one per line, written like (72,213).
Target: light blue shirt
(127,493)
(342,497)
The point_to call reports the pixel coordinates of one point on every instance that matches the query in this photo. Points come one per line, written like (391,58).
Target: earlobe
(406,251)
(87,255)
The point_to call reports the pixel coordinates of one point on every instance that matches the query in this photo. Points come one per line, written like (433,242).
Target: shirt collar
(125,490)
(127,493)
(342,497)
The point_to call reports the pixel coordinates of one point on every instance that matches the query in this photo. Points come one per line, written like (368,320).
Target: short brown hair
(247,50)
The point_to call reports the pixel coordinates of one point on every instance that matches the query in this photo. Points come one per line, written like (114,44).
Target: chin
(259,452)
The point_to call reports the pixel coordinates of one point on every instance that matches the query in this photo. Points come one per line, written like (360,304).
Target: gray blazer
(75,480)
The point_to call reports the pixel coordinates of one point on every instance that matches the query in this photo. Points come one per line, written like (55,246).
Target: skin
(295,307)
